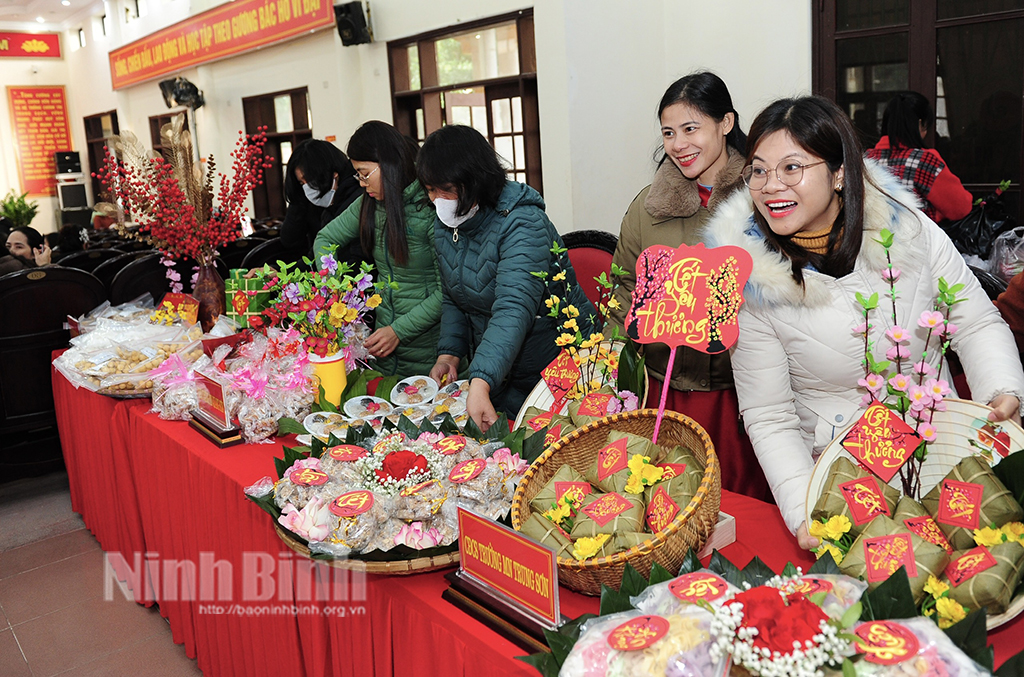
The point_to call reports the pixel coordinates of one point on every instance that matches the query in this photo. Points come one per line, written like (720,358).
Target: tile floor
(54,619)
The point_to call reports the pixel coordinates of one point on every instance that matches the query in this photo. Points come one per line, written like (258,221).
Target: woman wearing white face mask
(394,222)
(319,185)
(491,236)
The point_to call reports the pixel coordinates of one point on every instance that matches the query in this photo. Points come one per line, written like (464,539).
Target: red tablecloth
(158,489)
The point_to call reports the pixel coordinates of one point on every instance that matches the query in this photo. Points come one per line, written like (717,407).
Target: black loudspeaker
(352,24)
(67,162)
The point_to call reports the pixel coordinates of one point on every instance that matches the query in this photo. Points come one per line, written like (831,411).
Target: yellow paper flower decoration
(374,301)
(950,612)
(935,587)
(642,474)
(988,536)
(565,339)
(836,526)
(570,324)
(817,530)
(612,361)
(559,277)
(613,303)
(1014,531)
(559,513)
(551,301)
(828,547)
(587,547)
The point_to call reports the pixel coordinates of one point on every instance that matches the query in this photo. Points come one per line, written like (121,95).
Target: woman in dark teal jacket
(491,235)
(401,239)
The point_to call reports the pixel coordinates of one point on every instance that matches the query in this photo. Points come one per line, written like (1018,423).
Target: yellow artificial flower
(337,313)
(1014,531)
(613,303)
(837,555)
(564,340)
(642,473)
(587,547)
(551,301)
(570,324)
(374,301)
(592,341)
(836,526)
(559,513)
(571,311)
(559,277)
(817,529)
(950,612)
(935,587)
(612,361)
(988,536)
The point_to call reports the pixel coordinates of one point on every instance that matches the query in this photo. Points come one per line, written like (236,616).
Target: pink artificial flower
(898,351)
(508,462)
(430,438)
(630,402)
(924,414)
(924,369)
(614,406)
(861,328)
(311,462)
(918,396)
(937,389)
(415,537)
(938,405)
(950,329)
(311,523)
(927,432)
(867,400)
(873,382)
(900,382)
(898,334)
(891,274)
(930,319)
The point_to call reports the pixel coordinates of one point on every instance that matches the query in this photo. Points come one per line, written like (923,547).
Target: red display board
(33,45)
(39,116)
(228,30)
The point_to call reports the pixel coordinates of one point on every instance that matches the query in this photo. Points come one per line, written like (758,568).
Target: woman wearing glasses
(700,167)
(812,219)
(394,222)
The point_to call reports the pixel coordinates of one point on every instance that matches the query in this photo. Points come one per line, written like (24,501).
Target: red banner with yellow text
(228,30)
(39,116)
(34,45)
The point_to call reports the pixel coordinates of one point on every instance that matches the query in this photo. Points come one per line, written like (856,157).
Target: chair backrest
(271,251)
(138,277)
(233,253)
(34,305)
(590,252)
(90,259)
(106,271)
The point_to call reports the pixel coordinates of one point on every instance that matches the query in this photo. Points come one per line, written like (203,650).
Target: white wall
(602,67)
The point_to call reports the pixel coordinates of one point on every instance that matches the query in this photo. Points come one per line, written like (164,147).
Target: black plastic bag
(975,233)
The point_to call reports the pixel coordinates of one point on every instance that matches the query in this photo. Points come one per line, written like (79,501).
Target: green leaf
(1010,472)
(659,574)
(971,637)
(1012,667)
(514,441)
(817,598)
(891,599)
(826,564)
(633,582)
(541,275)
(613,601)
(266,503)
(473,430)
(289,426)
(848,669)
(943,285)
(499,429)
(357,381)
(410,429)
(757,572)
(385,386)
(690,563)
(388,425)
(543,662)
(631,370)
(560,645)
(790,570)
(533,446)
(448,425)
(851,616)
(426,427)
(322,404)
(726,569)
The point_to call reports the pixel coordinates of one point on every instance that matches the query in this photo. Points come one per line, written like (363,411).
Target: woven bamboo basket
(691,527)
(397,567)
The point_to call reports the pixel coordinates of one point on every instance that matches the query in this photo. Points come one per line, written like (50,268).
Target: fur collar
(771,280)
(672,195)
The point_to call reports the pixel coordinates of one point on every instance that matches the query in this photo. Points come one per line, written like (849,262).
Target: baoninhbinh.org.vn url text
(280,610)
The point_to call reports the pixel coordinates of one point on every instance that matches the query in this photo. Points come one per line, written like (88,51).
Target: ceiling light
(66,3)
(40,19)
(477,36)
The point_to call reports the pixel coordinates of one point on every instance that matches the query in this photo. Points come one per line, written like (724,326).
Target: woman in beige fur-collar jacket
(701,167)
(798,358)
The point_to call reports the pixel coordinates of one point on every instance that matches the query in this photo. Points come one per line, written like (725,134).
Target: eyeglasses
(788,173)
(365,179)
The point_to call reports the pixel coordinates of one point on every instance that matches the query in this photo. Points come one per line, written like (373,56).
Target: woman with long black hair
(394,223)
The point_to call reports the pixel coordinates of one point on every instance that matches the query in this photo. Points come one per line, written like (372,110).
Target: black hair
(821,128)
(71,238)
(458,158)
(318,161)
(379,142)
(900,121)
(706,92)
(33,236)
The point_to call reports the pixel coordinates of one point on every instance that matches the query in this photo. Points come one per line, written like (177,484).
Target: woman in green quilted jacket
(394,222)
(491,236)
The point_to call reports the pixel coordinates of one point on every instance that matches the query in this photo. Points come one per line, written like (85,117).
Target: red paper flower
(780,620)
(399,464)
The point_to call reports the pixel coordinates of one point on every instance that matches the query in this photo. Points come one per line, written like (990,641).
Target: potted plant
(18,210)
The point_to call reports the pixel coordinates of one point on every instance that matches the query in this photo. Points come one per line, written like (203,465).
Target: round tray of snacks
(951,511)
(672,489)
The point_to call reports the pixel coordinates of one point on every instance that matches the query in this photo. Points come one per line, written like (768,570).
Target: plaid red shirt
(916,168)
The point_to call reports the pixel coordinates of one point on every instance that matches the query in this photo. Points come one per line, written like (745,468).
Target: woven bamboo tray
(691,527)
(398,567)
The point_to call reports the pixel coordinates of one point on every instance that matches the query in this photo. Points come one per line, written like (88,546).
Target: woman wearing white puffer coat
(810,220)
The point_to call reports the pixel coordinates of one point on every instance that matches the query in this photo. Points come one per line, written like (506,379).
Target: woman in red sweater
(905,124)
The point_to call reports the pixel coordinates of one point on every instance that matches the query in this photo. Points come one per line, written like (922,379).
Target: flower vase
(209,291)
(329,372)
